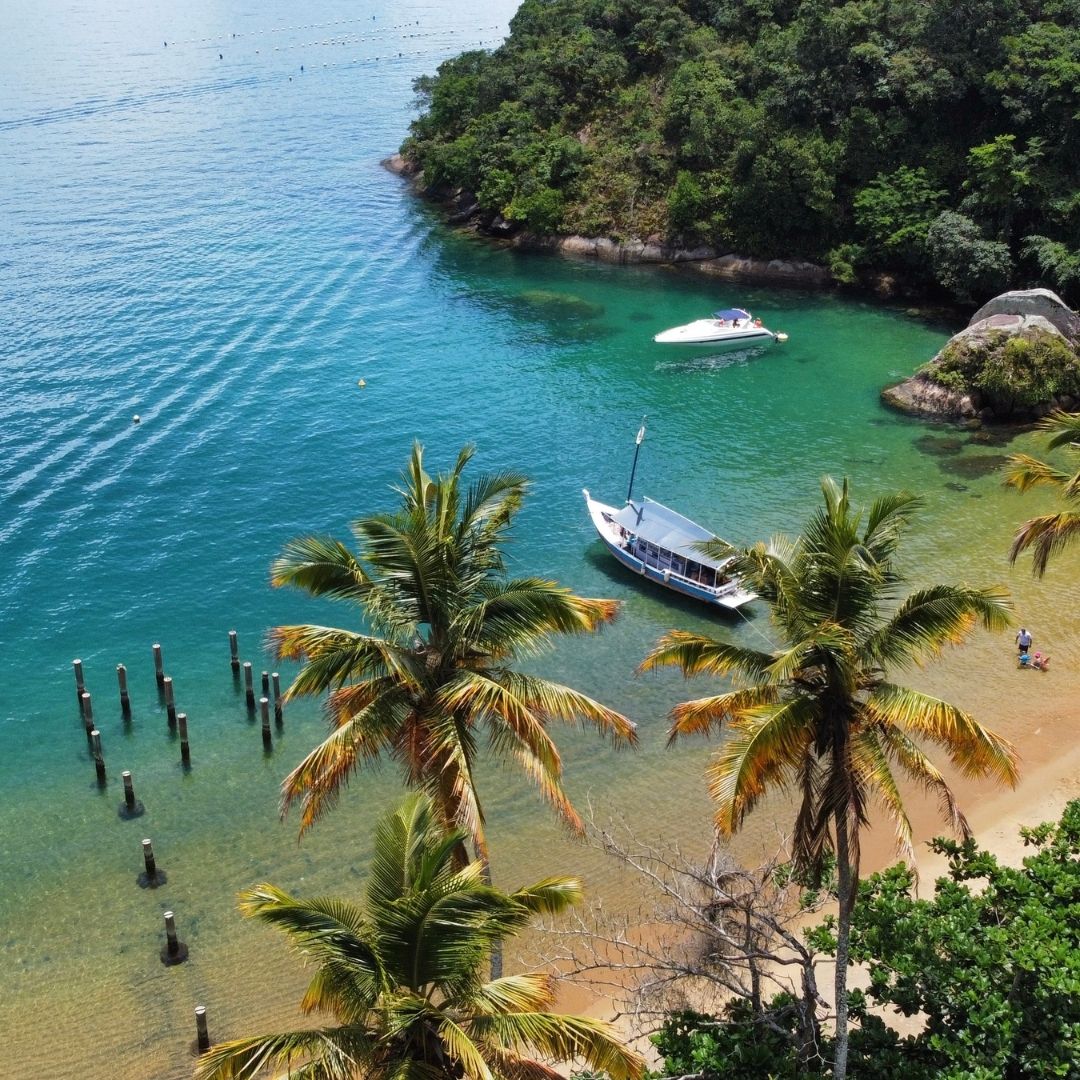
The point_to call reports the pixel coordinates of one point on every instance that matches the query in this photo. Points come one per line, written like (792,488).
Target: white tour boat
(730,326)
(664,546)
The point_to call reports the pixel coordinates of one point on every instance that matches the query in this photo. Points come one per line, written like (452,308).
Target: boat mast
(637,449)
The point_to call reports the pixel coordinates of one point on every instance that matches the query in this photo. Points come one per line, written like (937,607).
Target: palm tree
(433,672)
(818,714)
(1048,534)
(400,974)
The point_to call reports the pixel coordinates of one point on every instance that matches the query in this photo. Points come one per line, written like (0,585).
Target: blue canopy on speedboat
(731,313)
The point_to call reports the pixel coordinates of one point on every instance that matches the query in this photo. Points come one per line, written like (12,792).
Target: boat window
(678,564)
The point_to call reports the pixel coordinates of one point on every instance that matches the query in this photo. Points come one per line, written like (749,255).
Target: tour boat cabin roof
(656,524)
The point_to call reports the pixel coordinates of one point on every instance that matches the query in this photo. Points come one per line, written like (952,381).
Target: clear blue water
(212,244)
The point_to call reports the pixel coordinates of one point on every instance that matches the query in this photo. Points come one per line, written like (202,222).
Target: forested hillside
(934,140)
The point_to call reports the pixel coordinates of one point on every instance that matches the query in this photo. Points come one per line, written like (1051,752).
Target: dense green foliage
(1019,373)
(992,962)
(934,140)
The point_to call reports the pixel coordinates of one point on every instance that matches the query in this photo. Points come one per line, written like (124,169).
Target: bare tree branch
(703,933)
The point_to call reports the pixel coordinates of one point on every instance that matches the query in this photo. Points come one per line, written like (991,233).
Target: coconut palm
(818,714)
(1049,534)
(433,674)
(400,975)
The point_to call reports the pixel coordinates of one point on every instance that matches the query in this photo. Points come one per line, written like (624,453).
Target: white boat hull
(708,332)
(729,596)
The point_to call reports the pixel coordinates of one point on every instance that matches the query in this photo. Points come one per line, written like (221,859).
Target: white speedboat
(661,545)
(730,326)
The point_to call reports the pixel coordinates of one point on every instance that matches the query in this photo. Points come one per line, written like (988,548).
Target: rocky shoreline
(462,209)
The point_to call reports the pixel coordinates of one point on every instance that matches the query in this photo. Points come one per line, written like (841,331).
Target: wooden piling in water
(185,749)
(99,758)
(170,701)
(159,667)
(264,708)
(130,807)
(80,684)
(125,701)
(234,653)
(175,951)
(279,716)
(202,1034)
(249,689)
(266,684)
(87,713)
(153,875)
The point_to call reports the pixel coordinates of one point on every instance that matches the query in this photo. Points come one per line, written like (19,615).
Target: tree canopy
(935,140)
(989,966)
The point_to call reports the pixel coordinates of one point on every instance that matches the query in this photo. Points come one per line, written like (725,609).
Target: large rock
(978,373)
(1041,303)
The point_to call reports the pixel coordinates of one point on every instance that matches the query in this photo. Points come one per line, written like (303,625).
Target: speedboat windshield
(731,313)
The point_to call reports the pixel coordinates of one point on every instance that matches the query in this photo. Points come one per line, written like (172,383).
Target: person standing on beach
(1023,640)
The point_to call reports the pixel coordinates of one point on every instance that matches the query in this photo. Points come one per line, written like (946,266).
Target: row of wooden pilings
(174,951)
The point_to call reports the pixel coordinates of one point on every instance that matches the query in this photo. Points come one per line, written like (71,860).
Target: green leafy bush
(1010,372)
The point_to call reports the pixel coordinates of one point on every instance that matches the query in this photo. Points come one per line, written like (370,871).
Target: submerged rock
(1015,361)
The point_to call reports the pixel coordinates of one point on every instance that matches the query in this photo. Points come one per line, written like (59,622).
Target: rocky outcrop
(702,260)
(1039,303)
(1015,361)
(766,271)
(921,396)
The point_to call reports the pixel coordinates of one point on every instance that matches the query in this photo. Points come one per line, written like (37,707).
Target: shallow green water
(212,244)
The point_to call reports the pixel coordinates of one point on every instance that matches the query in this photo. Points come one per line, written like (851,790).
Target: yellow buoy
(781,337)
(361,383)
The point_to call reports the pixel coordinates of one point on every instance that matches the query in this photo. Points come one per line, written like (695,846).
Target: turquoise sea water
(211,243)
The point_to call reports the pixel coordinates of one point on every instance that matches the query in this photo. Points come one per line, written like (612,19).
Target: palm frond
(931,618)
(565,1038)
(323,567)
(554,701)
(1026,472)
(696,654)
(765,747)
(319,779)
(921,769)
(464,1052)
(869,758)
(334,657)
(412,848)
(705,716)
(974,749)
(531,991)
(1065,428)
(340,1054)
(521,614)
(1046,536)
(550,896)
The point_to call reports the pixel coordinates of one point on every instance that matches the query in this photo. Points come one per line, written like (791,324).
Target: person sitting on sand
(1041,662)
(1025,659)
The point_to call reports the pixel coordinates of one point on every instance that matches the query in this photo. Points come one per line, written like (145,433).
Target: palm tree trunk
(485,874)
(843,936)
